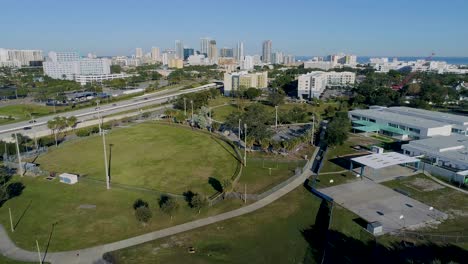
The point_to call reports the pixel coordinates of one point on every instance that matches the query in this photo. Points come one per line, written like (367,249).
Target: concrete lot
(374,202)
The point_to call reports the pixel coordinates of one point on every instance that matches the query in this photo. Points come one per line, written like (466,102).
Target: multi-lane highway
(87,114)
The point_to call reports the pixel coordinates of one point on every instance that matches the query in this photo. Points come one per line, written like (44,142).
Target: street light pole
(245,145)
(191,101)
(185,107)
(20,166)
(276,117)
(105,160)
(38,252)
(11,221)
(239,129)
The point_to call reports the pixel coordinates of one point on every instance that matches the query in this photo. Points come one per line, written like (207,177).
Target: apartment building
(237,80)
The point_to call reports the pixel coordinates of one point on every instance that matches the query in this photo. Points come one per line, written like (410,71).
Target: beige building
(176,63)
(244,80)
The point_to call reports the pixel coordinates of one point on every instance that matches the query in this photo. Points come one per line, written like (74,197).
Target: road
(104,110)
(94,254)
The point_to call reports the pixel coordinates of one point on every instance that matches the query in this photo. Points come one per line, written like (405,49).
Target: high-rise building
(212,50)
(69,65)
(179,49)
(188,52)
(168,55)
(226,52)
(20,58)
(204,44)
(247,63)
(155,54)
(239,51)
(139,53)
(266,51)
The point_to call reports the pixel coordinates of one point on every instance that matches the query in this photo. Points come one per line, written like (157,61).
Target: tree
(168,205)
(56,125)
(337,131)
(72,121)
(116,69)
(275,97)
(252,93)
(198,202)
(139,203)
(143,214)
(414,89)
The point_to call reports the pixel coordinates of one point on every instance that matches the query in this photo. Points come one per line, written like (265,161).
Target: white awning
(379,161)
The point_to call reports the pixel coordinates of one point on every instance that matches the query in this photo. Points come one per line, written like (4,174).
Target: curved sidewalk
(94,254)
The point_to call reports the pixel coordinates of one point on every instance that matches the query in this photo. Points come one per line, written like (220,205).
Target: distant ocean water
(365,59)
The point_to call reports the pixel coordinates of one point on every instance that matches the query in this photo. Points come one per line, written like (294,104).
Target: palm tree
(57,124)
(72,121)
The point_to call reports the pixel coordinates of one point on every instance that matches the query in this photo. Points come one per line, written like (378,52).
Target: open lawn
(263,173)
(86,214)
(22,112)
(155,156)
(274,234)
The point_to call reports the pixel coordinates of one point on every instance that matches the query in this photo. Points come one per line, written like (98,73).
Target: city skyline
(362,27)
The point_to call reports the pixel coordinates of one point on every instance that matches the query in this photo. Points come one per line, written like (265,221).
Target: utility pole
(313,129)
(276,117)
(245,145)
(11,221)
(20,166)
(105,160)
(185,107)
(38,252)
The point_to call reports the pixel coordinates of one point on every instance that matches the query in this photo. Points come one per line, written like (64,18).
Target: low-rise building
(407,123)
(176,63)
(243,80)
(84,79)
(446,151)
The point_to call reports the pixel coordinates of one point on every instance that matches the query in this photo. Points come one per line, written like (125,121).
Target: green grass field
(44,203)
(161,157)
(273,234)
(257,178)
(21,112)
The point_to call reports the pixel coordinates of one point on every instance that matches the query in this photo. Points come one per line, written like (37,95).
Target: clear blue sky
(300,27)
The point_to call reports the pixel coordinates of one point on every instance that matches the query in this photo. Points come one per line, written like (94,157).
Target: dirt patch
(425,185)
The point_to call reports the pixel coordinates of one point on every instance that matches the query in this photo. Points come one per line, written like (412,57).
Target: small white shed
(375,228)
(68,178)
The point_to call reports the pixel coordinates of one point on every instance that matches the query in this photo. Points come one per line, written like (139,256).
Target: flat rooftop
(440,143)
(382,160)
(431,115)
(398,118)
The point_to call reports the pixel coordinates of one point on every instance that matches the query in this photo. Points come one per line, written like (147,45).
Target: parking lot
(374,202)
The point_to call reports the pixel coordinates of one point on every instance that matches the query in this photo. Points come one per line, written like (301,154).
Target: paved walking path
(94,254)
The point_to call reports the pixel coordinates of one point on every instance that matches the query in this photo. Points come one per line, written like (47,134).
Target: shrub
(140,203)
(143,214)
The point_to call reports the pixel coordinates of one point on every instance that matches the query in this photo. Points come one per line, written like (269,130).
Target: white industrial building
(407,123)
(446,151)
(312,84)
(84,79)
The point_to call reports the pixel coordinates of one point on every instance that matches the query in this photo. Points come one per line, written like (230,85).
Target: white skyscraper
(204,45)
(155,54)
(139,53)
(247,63)
(179,48)
(266,51)
(239,52)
